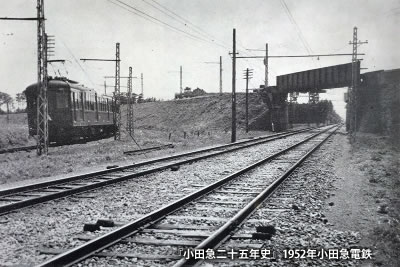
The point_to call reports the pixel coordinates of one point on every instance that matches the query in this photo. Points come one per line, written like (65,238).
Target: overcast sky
(90,29)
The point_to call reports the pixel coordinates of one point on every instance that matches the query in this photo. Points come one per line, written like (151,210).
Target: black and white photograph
(200,133)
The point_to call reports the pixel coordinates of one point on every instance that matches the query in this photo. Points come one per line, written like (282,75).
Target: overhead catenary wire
(175,17)
(297,27)
(186,22)
(153,19)
(77,61)
(210,39)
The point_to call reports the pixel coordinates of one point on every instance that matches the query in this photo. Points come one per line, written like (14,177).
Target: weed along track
(19,197)
(199,221)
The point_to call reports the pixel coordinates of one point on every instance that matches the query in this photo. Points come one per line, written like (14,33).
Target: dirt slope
(206,113)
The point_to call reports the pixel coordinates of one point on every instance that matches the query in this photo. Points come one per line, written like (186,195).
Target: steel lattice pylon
(353,94)
(117,96)
(293,97)
(313,98)
(355,79)
(129,120)
(42,108)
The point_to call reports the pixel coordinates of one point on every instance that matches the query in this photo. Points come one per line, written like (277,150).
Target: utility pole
(266,83)
(180,75)
(247,74)
(42,108)
(233,136)
(141,81)
(129,112)
(354,82)
(105,87)
(266,65)
(220,75)
(271,101)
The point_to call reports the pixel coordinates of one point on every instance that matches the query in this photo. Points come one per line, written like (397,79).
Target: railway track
(200,221)
(16,149)
(19,197)
(53,144)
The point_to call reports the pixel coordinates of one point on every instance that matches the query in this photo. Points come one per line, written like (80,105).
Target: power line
(146,18)
(142,14)
(7,18)
(299,32)
(293,21)
(185,22)
(316,55)
(210,39)
(174,16)
(77,61)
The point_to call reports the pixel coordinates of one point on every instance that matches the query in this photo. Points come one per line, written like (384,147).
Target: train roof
(56,83)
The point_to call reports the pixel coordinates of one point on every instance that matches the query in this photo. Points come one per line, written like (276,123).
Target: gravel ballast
(296,212)
(57,224)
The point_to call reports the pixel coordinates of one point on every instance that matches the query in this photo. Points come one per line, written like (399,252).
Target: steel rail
(130,152)
(223,233)
(16,149)
(86,250)
(53,144)
(66,192)
(21,189)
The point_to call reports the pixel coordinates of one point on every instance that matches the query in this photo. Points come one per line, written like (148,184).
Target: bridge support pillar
(280,112)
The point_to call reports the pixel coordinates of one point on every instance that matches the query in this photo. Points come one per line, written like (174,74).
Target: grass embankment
(14,132)
(379,160)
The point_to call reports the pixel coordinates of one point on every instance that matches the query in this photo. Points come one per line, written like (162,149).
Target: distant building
(188,93)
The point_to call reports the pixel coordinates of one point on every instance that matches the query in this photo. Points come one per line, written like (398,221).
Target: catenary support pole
(220,75)
(180,80)
(141,82)
(247,100)
(117,95)
(233,136)
(42,108)
(129,119)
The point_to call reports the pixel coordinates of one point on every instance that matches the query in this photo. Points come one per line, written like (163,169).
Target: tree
(7,100)
(20,98)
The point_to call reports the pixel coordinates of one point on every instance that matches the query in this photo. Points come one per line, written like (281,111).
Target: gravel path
(57,224)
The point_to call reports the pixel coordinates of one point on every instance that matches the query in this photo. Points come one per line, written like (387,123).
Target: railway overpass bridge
(312,81)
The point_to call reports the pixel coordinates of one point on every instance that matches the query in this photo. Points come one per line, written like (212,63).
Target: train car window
(108,109)
(83,101)
(86,101)
(61,100)
(73,105)
(92,102)
(78,100)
